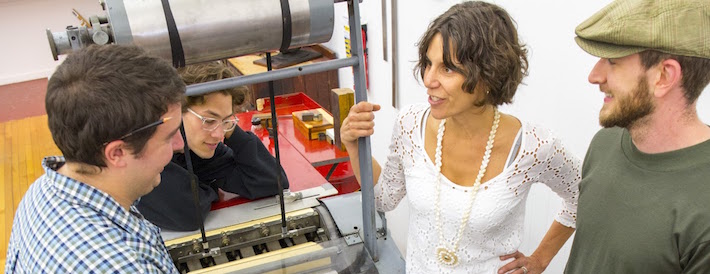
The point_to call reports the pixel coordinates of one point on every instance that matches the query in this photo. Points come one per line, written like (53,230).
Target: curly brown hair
(206,72)
(484,40)
(100,93)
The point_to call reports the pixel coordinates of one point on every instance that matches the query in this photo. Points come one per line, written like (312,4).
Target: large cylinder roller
(192,31)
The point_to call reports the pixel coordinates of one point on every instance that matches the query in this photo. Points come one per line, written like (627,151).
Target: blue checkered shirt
(65,226)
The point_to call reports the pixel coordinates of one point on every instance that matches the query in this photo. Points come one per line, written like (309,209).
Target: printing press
(312,230)
(323,237)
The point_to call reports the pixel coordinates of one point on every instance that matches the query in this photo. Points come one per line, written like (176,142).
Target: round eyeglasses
(210,124)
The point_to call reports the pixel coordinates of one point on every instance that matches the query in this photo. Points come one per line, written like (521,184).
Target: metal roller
(202,30)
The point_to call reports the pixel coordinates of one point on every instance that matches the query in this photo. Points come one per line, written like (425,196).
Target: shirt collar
(79,193)
(691,157)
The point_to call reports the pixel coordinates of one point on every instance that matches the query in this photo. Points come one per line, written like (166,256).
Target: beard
(629,108)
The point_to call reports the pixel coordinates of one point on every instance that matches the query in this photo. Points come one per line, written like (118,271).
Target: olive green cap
(625,27)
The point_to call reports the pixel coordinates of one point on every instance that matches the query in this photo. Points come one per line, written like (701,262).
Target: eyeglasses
(153,124)
(210,124)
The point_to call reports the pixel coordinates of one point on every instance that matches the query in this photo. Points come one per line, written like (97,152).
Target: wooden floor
(24,144)
(24,141)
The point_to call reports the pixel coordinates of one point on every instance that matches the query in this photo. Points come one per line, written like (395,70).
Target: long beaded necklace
(445,255)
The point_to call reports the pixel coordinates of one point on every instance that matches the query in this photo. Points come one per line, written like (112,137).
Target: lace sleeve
(562,174)
(391,187)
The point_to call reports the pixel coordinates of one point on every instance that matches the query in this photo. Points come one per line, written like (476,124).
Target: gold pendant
(446,256)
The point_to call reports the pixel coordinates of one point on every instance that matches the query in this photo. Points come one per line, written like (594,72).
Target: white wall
(380,76)
(24,50)
(556,94)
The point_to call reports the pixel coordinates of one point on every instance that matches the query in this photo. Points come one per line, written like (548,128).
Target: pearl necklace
(447,256)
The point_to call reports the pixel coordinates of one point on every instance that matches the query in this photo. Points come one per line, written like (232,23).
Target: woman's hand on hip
(521,264)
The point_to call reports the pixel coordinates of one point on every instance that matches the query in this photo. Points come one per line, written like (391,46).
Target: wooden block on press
(341,100)
(265,119)
(311,129)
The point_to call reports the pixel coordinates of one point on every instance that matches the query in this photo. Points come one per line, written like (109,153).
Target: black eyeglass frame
(153,124)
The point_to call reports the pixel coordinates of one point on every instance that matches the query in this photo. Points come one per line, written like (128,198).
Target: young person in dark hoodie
(223,157)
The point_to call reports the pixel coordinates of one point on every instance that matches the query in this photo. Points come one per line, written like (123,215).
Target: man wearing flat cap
(644,204)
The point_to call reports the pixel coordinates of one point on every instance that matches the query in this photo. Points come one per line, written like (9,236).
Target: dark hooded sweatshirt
(241,165)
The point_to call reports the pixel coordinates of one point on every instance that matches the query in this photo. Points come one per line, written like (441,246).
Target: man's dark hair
(695,70)
(485,41)
(100,93)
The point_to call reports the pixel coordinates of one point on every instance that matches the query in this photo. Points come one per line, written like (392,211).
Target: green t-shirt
(642,213)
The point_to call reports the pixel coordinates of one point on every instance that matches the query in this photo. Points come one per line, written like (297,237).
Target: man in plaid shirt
(114,112)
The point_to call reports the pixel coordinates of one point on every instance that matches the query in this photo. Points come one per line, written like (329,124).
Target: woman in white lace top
(466,167)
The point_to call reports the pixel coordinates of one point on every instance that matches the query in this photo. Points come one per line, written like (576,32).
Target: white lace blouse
(495,227)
